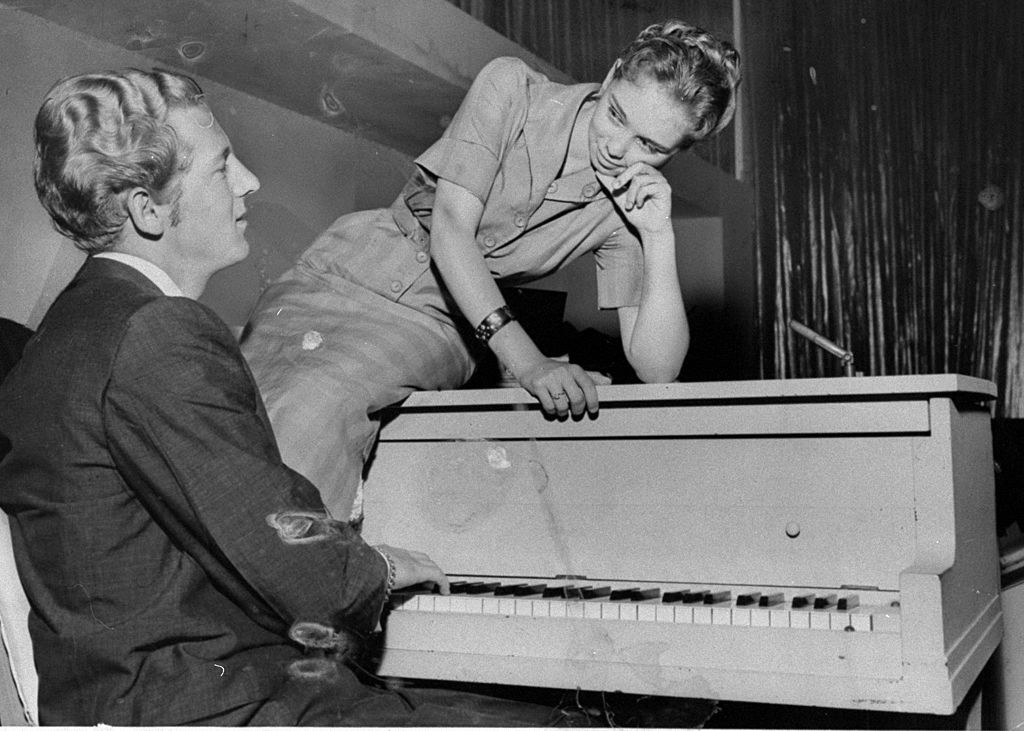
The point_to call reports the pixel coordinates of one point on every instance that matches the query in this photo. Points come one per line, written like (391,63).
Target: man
(178,572)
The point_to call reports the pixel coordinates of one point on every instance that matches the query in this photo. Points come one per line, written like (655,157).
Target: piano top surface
(921,386)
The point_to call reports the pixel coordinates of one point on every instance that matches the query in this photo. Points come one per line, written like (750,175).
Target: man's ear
(148,218)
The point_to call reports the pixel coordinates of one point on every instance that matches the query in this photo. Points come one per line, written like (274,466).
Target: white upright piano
(826,542)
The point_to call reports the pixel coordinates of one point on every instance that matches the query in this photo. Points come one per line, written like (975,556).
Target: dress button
(553,187)
(396,286)
(590,190)
(519,221)
(421,256)
(489,242)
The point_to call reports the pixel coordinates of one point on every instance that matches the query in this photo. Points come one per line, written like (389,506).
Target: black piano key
(803,600)
(717,597)
(848,602)
(483,587)
(694,597)
(642,595)
(771,600)
(530,589)
(619,595)
(825,602)
(460,587)
(572,592)
(507,589)
(597,592)
(672,596)
(553,592)
(746,600)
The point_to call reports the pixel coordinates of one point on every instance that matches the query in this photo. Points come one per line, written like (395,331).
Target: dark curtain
(888,166)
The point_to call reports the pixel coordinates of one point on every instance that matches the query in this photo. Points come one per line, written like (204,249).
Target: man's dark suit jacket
(141,477)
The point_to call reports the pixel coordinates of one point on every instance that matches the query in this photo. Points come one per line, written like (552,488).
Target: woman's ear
(147,217)
(611,75)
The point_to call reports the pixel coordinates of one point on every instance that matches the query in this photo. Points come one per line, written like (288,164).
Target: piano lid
(870,387)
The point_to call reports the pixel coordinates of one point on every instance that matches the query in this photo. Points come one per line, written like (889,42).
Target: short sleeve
(489,119)
(620,267)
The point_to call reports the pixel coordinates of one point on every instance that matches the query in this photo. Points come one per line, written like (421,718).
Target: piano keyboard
(840,610)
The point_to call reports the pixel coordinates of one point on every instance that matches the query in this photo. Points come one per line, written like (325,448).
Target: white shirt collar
(150,270)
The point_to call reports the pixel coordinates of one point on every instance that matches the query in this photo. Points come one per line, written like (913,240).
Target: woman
(528,176)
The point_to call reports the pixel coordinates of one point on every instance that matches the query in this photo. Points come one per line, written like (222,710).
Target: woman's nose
(617,146)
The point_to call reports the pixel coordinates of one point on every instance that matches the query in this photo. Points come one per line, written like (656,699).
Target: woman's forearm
(660,334)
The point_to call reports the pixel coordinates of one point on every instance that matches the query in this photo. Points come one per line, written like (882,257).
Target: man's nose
(247,181)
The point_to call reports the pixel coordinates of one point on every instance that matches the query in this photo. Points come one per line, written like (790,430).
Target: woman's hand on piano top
(415,567)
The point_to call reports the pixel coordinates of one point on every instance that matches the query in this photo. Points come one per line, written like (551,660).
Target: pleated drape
(888,168)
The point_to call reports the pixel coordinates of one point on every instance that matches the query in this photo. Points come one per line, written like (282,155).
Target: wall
(310,173)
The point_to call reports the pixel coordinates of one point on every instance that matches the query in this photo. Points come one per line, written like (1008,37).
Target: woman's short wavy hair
(703,71)
(100,135)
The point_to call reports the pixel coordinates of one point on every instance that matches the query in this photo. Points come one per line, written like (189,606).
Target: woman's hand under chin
(642,195)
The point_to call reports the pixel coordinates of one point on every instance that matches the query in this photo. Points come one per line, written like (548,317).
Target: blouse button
(519,220)
(553,187)
(421,256)
(590,190)
(489,242)
(396,286)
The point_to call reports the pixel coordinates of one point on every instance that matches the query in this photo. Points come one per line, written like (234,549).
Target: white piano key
(629,612)
(684,615)
(779,618)
(799,619)
(664,613)
(820,619)
(524,607)
(721,615)
(457,604)
(442,603)
(474,605)
(557,609)
(741,617)
(410,602)
(541,608)
(647,612)
(860,621)
(574,610)
(609,610)
(492,605)
(760,618)
(592,610)
(702,615)
(839,621)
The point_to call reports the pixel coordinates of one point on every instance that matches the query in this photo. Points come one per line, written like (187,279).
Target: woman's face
(637,121)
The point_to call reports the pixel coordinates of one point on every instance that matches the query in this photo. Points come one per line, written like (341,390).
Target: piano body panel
(545,499)
(955,487)
(852,670)
(884,484)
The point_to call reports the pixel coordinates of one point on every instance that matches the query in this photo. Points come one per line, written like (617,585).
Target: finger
(599,379)
(544,397)
(590,396)
(575,401)
(562,402)
(443,585)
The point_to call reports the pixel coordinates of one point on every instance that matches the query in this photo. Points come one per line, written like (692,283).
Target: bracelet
(493,323)
(390,587)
